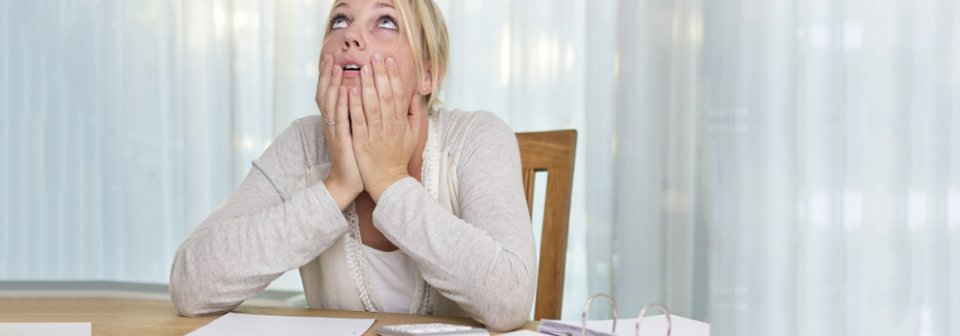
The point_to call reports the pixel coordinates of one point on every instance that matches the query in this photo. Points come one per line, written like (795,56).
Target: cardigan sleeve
(270,224)
(484,260)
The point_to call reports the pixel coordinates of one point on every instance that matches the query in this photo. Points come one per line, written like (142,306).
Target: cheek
(408,69)
(410,82)
(327,47)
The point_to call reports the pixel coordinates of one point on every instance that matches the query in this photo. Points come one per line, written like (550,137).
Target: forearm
(485,264)
(230,258)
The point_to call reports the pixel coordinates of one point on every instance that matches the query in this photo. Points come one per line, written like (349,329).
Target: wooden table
(113,316)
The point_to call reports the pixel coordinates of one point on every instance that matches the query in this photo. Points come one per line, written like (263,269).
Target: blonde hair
(426,32)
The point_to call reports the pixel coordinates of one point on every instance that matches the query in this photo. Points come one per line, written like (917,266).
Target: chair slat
(553,152)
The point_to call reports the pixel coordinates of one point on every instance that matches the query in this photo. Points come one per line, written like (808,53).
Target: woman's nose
(353,39)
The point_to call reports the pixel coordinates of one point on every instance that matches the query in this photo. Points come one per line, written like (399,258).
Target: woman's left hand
(384,134)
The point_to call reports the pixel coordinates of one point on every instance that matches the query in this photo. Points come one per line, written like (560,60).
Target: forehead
(361,4)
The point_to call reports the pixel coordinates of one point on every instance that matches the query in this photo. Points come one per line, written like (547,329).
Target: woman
(384,202)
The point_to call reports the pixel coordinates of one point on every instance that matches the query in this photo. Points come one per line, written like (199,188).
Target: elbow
(190,301)
(506,314)
(186,298)
(508,311)
(181,293)
(186,304)
(510,306)
(506,324)
(189,293)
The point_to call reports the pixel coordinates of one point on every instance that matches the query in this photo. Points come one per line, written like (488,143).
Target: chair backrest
(552,152)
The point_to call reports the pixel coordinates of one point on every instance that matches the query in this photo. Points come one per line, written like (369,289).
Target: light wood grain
(112,316)
(553,152)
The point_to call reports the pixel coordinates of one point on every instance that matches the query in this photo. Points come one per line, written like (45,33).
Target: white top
(465,225)
(394,277)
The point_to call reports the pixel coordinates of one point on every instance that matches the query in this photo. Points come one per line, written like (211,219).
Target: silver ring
(643,313)
(586,309)
(328,122)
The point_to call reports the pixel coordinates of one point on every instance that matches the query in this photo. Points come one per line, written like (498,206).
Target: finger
(323,79)
(329,111)
(358,122)
(342,115)
(385,95)
(371,107)
(401,104)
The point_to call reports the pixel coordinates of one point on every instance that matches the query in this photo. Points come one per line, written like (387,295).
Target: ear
(426,83)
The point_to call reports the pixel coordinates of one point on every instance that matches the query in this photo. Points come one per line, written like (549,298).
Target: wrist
(341,194)
(377,188)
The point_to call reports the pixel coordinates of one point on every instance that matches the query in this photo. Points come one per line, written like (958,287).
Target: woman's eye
(338,22)
(386,22)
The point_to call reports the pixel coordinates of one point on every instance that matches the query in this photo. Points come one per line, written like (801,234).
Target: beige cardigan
(466,227)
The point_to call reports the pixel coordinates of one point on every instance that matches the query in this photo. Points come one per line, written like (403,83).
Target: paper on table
(247,324)
(46,329)
(652,326)
(522,332)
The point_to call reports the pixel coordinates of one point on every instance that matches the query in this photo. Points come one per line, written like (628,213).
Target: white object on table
(46,329)
(431,329)
(247,324)
(522,332)
(652,326)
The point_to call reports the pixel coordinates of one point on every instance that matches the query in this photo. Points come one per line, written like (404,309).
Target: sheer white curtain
(105,105)
(771,166)
(124,123)
(791,166)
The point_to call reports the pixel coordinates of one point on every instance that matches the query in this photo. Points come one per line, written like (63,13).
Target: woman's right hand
(343,182)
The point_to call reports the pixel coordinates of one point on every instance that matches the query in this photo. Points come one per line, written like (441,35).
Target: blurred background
(787,167)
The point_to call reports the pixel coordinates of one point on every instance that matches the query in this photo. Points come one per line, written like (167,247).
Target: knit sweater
(466,227)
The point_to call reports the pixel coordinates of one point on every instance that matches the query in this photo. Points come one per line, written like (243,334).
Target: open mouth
(351,70)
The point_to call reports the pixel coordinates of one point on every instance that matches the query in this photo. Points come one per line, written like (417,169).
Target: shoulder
(464,128)
(292,153)
(311,121)
(307,134)
(310,129)
(301,132)
(459,120)
(465,135)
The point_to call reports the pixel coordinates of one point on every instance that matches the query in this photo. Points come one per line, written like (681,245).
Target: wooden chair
(552,152)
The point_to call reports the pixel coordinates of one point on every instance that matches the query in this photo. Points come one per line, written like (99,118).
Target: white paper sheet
(652,326)
(247,324)
(522,332)
(46,329)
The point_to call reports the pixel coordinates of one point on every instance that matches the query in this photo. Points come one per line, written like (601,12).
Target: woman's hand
(344,182)
(384,135)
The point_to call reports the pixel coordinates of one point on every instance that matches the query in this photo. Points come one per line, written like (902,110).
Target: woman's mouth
(351,70)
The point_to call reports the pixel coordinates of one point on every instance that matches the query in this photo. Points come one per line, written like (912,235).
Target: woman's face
(360,29)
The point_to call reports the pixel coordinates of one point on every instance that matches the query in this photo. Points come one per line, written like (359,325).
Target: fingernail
(377,58)
(354,92)
(366,70)
(391,63)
